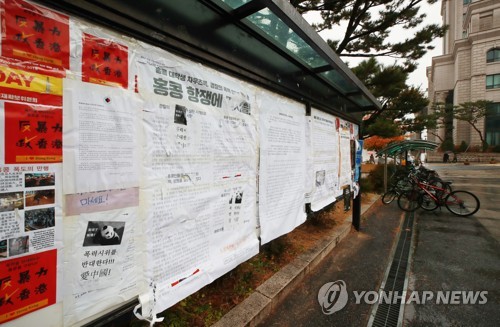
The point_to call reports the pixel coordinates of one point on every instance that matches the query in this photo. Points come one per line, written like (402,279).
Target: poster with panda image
(104,253)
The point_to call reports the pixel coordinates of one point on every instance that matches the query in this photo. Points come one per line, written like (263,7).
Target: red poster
(104,62)
(27,284)
(34,33)
(33,134)
(30,82)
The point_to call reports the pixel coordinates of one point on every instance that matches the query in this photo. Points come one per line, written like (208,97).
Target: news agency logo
(333,297)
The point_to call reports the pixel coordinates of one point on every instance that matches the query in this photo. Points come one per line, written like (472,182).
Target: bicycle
(395,190)
(429,197)
(403,183)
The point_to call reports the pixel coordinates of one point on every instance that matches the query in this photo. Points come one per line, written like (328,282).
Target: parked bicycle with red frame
(429,197)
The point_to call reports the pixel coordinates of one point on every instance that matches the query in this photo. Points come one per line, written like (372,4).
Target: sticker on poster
(27,284)
(34,33)
(104,62)
(33,134)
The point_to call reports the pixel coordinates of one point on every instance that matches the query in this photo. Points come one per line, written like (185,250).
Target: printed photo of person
(39,197)
(320,177)
(180,115)
(39,219)
(236,197)
(11,201)
(39,179)
(18,245)
(104,233)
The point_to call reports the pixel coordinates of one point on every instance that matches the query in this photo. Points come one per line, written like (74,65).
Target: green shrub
(447,145)
(463,146)
(366,184)
(376,177)
(484,146)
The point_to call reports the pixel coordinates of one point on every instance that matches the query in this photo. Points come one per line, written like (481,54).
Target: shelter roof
(264,41)
(407,145)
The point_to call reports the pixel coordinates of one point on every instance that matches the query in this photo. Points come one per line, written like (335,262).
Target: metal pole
(356,211)
(385,173)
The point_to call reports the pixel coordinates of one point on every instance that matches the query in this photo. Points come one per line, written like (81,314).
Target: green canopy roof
(403,146)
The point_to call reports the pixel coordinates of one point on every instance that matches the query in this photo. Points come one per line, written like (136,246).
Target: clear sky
(418,78)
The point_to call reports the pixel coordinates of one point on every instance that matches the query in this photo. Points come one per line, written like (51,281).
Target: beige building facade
(469,69)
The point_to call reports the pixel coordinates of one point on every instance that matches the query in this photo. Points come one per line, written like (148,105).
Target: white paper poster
(101,137)
(282,172)
(199,183)
(310,174)
(325,144)
(345,173)
(103,253)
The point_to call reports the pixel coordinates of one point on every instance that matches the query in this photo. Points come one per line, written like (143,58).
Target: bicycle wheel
(462,203)
(408,201)
(427,202)
(442,190)
(389,196)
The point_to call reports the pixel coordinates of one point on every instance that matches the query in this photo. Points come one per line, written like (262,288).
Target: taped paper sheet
(282,174)
(325,144)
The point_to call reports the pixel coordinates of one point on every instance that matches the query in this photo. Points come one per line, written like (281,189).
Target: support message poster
(345,173)
(27,283)
(30,238)
(199,184)
(325,144)
(34,33)
(101,145)
(282,169)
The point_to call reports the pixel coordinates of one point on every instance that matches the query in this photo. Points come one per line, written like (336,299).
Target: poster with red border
(104,62)
(30,82)
(34,33)
(33,134)
(27,284)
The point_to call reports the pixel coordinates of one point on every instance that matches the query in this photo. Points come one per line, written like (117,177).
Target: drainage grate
(390,314)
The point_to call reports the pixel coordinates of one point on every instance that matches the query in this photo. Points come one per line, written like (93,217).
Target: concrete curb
(260,303)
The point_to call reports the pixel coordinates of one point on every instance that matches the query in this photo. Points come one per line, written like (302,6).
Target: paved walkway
(459,254)
(360,259)
(451,254)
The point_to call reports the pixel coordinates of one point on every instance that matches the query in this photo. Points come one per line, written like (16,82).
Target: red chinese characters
(104,62)
(27,284)
(33,134)
(33,33)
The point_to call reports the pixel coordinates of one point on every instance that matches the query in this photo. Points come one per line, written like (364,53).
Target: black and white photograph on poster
(180,115)
(39,179)
(39,197)
(3,249)
(18,245)
(236,197)
(104,233)
(39,219)
(347,198)
(11,201)
(320,177)
(244,107)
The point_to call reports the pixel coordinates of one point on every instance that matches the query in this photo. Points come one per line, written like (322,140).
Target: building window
(493,81)
(466,2)
(492,124)
(493,55)
(486,22)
